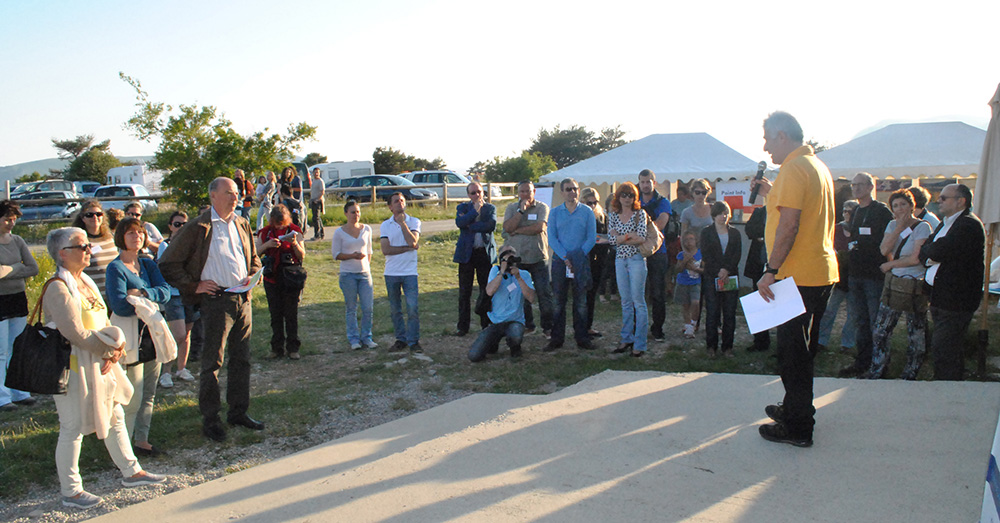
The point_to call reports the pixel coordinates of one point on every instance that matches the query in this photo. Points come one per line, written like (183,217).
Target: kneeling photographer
(508,287)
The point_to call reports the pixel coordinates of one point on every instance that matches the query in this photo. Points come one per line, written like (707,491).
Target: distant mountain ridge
(12,172)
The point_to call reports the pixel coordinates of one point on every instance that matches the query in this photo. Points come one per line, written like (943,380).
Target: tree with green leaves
(528,166)
(313,159)
(33,177)
(92,166)
(198,144)
(569,146)
(390,161)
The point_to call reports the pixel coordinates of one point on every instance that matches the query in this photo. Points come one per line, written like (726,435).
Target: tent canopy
(910,150)
(673,157)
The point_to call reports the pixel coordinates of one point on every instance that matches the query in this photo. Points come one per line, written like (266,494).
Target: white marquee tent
(673,157)
(910,150)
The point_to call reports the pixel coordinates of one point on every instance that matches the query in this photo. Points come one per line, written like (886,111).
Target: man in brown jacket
(212,253)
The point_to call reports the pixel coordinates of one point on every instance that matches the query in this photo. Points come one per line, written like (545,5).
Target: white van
(334,171)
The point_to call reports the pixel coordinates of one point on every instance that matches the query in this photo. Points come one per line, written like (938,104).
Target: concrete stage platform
(627,446)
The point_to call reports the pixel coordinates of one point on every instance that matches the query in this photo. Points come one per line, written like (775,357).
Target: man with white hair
(799,239)
(212,253)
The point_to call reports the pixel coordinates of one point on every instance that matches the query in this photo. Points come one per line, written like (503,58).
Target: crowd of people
(885,261)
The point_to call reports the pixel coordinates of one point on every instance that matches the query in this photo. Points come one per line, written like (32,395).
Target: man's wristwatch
(770,270)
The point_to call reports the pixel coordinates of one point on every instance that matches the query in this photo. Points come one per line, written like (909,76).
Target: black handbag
(293,274)
(39,361)
(147,350)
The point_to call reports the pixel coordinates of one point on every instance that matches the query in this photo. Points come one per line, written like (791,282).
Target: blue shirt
(686,277)
(654,208)
(508,302)
(119,280)
(572,231)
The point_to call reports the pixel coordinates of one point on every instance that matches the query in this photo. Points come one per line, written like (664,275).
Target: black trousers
(227,319)
(479,267)
(284,308)
(798,340)
(656,281)
(948,343)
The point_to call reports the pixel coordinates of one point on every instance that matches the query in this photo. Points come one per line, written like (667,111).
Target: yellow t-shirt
(804,183)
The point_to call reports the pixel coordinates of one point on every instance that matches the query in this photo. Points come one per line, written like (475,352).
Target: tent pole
(984,330)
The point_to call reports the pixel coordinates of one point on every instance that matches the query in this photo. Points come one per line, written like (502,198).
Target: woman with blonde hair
(699,214)
(93,220)
(626,231)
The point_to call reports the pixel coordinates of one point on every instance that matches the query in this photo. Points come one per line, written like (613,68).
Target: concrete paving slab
(631,446)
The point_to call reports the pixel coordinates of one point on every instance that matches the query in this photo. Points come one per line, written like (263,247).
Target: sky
(469,81)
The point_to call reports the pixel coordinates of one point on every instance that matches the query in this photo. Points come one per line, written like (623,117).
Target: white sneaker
(184,375)
(689,331)
(355,346)
(165,380)
(370,344)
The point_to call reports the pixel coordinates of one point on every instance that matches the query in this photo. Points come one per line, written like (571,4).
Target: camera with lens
(512,261)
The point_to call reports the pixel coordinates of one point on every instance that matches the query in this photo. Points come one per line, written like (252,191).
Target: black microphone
(760,174)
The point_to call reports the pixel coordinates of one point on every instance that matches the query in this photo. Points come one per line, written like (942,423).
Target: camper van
(334,171)
(136,174)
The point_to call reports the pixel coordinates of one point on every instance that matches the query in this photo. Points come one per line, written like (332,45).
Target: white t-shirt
(404,264)
(347,244)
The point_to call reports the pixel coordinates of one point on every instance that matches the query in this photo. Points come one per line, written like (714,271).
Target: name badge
(533,216)
(569,273)
(905,234)
(512,287)
(865,231)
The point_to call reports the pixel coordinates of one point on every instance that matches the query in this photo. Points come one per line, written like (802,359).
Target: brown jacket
(184,260)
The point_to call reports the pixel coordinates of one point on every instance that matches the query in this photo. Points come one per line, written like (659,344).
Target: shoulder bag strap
(38,304)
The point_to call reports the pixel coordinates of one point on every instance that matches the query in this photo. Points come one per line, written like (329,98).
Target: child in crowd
(687,292)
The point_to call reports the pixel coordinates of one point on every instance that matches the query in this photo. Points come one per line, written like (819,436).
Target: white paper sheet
(762,315)
(250,284)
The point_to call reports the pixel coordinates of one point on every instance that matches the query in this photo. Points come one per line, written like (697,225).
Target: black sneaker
(778,433)
(585,345)
(775,412)
(399,346)
(416,348)
(515,352)
(658,336)
(549,347)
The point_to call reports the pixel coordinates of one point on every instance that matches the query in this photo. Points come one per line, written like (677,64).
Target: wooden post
(444,191)
(984,328)
(489,192)
(373,196)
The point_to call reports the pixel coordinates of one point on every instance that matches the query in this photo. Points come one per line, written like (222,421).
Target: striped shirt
(104,252)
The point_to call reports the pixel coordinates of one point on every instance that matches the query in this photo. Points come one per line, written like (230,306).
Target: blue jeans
(357,287)
(560,288)
(864,300)
(9,329)
(408,332)
(488,341)
(543,291)
(630,274)
(848,332)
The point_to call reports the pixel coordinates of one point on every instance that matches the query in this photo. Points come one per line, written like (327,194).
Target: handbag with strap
(653,240)
(39,361)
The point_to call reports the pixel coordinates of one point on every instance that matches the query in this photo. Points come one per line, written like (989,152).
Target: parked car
(126,192)
(86,189)
(45,185)
(41,211)
(22,189)
(385,184)
(421,177)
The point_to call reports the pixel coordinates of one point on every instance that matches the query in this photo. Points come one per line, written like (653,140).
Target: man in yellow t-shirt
(799,238)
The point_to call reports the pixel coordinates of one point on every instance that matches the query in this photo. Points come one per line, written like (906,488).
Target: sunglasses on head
(93,214)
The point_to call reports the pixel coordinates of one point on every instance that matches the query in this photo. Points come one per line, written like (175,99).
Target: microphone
(760,174)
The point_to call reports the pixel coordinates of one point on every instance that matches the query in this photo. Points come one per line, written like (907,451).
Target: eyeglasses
(592,204)
(93,214)
(178,225)
(82,247)
(628,195)
(943,197)
(700,193)
(571,189)
(135,214)
(475,192)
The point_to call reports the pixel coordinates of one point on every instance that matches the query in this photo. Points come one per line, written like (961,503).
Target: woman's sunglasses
(93,214)
(177,225)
